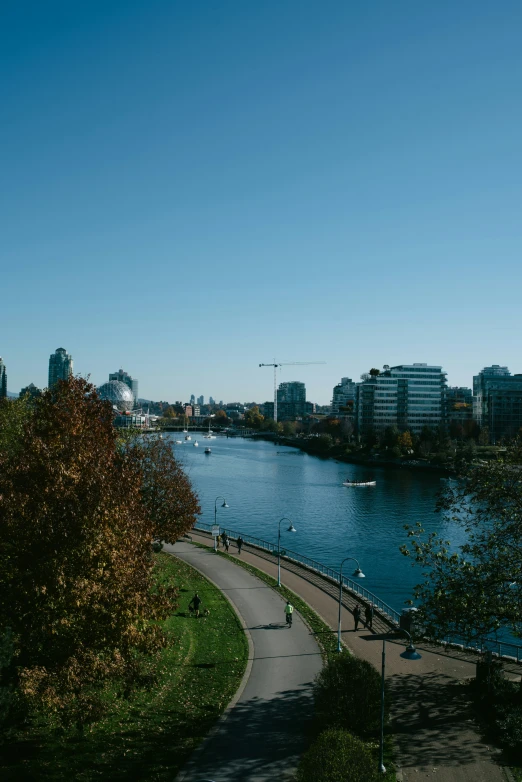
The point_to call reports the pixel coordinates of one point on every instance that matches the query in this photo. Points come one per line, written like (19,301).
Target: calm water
(263,482)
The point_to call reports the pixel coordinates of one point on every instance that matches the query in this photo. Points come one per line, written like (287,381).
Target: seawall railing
(501,649)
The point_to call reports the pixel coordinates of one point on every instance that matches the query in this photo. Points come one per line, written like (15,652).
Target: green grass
(150,735)
(325,637)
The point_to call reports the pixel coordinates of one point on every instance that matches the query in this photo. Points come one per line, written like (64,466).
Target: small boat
(208,450)
(347,482)
(178,442)
(188,437)
(195,444)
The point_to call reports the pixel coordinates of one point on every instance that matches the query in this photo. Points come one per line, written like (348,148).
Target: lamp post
(357,574)
(291,528)
(215,516)
(410,653)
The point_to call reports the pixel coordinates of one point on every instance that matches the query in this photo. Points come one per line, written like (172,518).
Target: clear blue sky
(192,188)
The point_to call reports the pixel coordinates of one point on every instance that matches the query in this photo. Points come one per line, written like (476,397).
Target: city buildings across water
(124,377)
(118,394)
(343,397)
(497,402)
(409,396)
(60,366)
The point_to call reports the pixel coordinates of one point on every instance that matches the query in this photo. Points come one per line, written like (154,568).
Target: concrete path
(432,718)
(264,734)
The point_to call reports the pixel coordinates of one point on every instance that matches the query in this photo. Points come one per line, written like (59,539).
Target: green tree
(253,418)
(475,589)
(337,756)
(405,441)
(13,415)
(289,428)
(76,526)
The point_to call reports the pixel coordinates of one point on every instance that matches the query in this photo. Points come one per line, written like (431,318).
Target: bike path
(432,718)
(262,737)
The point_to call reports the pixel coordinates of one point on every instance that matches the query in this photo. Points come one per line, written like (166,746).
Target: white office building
(409,396)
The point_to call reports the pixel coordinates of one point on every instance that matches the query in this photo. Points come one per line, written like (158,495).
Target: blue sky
(192,188)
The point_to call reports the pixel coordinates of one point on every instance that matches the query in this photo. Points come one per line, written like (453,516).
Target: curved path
(263,735)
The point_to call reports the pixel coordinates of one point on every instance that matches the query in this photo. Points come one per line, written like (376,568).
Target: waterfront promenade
(262,736)
(431,715)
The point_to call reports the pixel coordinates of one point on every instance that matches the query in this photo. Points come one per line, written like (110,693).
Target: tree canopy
(475,589)
(78,513)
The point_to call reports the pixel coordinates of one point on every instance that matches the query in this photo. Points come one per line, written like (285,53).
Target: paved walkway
(264,734)
(432,718)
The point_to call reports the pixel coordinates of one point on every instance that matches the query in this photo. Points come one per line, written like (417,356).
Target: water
(263,482)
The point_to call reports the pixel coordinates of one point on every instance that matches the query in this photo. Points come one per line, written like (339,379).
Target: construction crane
(286,364)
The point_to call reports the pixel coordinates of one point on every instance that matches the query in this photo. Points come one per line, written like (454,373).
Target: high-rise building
(291,400)
(201,400)
(124,377)
(60,366)
(3,380)
(343,396)
(497,402)
(211,400)
(31,390)
(409,396)
(192,399)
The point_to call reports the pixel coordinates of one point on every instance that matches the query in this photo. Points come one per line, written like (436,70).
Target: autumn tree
(475,589)
(77,518)
(253,418)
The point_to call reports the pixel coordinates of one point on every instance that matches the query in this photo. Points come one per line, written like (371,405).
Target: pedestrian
(227,543)
(195,604)
(368,616)
(356,616)
(239,544)
(224,538)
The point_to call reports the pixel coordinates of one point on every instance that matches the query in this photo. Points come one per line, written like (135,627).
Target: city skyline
(222,186)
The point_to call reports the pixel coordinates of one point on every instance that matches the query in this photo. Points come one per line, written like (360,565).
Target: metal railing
(313,565)
(500,649)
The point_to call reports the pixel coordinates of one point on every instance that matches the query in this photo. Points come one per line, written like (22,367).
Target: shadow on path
(433,719)
(258,739)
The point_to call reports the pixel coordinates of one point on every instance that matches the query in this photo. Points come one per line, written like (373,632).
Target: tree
(374,372)
(289,428)
(166,492)
(405,441)
(475,589)
(220,418)
(253,418)
(76,526)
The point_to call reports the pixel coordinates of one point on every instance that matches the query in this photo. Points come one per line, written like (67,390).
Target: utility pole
(286,364)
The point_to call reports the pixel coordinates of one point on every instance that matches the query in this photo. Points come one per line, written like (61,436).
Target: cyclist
(289,609)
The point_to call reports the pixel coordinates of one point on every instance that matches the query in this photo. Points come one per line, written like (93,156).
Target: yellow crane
(286,364)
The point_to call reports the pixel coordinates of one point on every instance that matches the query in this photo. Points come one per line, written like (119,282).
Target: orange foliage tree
(78,513)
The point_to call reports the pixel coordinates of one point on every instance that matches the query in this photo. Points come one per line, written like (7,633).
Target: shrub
(337,756)
(348,695)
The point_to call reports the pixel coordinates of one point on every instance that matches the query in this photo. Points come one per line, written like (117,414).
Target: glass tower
(60,366)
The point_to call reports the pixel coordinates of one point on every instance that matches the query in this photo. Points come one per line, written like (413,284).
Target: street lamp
(215,516)
(356,574)
(291,528)
(410,653)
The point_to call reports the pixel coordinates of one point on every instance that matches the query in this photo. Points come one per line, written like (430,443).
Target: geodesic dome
(118,394)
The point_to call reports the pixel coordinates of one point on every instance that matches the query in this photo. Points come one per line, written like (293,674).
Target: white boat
(188,437)
(208,450)
(195,444)
(209,436)
(359,483)
(178,442)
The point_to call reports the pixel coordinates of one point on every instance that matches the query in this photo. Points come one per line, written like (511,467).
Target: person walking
(227,543)
(356,616)
(239,544)
(289,610)
(223,538)
(195,604)
(368,616)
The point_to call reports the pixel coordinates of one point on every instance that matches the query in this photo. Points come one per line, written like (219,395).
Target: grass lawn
(150,735)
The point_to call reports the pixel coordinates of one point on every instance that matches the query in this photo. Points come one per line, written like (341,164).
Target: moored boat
(347,482)
(208,450)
